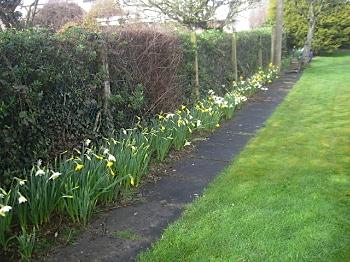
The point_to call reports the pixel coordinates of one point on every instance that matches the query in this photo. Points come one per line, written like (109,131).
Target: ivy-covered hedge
(48,94)
(51,85)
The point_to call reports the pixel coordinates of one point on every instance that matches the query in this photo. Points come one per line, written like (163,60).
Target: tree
(317,25)
(103,9)
(9,17)
(258,16)
(195,13)
(271,11)
(55,15)
(277,35)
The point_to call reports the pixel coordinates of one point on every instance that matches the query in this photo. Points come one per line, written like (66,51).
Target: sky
(241,24)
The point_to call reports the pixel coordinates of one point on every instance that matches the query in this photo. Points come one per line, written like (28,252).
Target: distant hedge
(215,57)
(51,85)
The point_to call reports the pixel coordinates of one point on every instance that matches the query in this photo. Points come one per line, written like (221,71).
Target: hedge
(51,85)
(98,175)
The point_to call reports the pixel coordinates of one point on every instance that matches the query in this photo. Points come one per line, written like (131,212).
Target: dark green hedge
(48,90)
(248,44)
(215,57)
(51,84)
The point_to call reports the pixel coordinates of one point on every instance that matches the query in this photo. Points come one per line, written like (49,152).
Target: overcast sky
(241,24)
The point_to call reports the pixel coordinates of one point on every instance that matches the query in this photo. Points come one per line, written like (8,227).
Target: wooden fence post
(103,114)
(106,82)
(273,42)
(234,57)
(196,66)
(261,65)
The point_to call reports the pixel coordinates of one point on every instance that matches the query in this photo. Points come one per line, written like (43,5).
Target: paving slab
(162,202)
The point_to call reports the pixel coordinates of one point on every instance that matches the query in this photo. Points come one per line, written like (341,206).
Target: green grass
(127,234)
(287,196)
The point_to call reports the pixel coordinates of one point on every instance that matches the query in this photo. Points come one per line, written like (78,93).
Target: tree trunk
(277,60)
(273,43)
(310,34)
(106,83)
(261,65)
(234,57)
(196,66)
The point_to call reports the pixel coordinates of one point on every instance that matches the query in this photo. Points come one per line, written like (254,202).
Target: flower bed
(98,175)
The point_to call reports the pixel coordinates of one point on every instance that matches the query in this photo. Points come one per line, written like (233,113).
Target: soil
(120,234)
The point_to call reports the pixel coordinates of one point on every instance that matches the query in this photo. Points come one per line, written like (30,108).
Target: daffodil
(109,164)
(132,180)
(40,172)
(78,167)
(99,157)
(21,198)
(87,142)
(4,210)
(21,182)
(106,151)
(187,143)
(111,158)
(55,175)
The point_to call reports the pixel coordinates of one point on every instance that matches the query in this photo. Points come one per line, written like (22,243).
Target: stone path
(163,201)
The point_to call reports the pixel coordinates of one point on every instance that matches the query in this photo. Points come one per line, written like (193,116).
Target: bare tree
(31,12)
(55,15)
(194,13)
(8,15)
(105,9)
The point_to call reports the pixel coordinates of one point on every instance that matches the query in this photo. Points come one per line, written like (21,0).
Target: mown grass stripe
(287,196)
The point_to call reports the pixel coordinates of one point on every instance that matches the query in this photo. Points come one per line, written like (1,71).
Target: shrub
(215,58)
(74,186)
(51,95)
(56,15)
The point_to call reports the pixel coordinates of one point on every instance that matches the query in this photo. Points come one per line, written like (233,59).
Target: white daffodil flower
(21,182)
(40,172)
(105,151)
(21,199)
(55,175)
(87,142)
(111,158)
(187,143)
(4,210)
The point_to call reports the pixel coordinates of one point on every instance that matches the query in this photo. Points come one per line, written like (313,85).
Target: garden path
(120,234)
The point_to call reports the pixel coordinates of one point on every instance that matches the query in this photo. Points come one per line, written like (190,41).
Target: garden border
(162,202)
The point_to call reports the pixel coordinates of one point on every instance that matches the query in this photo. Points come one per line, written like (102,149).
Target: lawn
(287,196)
